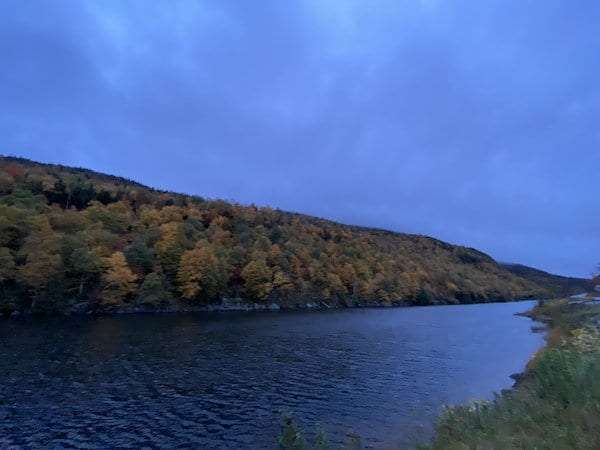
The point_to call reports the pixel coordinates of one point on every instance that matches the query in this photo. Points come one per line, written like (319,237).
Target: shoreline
(241,307)
(553,402)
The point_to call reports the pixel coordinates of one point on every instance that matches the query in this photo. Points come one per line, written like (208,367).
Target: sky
(477,123)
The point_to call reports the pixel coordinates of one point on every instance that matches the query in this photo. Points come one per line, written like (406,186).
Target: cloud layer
(474,122)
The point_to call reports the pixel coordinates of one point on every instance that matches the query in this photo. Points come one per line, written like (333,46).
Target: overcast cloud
(473,122)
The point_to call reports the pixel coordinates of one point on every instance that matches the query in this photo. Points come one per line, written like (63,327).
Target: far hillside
(76,240)
(558,286)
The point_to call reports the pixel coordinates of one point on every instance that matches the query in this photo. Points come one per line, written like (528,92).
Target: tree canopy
(69,236)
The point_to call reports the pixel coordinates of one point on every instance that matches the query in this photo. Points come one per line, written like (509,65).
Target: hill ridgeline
(73,240)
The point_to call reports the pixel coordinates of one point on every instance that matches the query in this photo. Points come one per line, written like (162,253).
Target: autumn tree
(171,246)
(58,225)
(201,273)
(14,227)
(257,278)
(217,233)
(149,216)
(119,280)
(42,259)
(335,285)
(281,281)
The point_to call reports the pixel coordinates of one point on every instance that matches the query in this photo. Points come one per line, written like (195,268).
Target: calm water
(223,381)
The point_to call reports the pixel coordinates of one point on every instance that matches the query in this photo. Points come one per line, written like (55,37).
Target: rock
(518,378)
(79,308)
(15,314)
(274,307)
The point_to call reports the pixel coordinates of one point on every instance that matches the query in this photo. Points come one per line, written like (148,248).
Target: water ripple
(223,381)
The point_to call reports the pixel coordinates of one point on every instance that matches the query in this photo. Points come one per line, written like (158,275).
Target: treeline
(75,239)
(556,285)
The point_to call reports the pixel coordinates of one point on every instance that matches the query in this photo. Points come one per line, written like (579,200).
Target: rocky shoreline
(227,305)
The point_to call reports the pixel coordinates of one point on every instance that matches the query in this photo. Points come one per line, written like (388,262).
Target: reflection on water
(223,381)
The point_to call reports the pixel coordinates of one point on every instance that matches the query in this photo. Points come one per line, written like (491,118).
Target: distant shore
(238,305)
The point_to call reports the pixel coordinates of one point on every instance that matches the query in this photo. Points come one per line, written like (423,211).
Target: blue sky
(473,122)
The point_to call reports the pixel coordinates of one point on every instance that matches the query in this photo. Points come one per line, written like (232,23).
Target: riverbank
(239,305)
(555,403)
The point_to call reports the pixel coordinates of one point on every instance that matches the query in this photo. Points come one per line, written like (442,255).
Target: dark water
(223,381)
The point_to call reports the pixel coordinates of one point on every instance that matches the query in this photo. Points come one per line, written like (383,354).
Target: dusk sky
(476,122)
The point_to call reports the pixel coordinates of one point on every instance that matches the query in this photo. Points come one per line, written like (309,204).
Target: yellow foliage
(119,280)
(257,279)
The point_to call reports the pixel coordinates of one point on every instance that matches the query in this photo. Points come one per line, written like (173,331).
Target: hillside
(558,286)
(76,240)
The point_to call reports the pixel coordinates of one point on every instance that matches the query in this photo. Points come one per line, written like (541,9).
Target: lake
(223,381)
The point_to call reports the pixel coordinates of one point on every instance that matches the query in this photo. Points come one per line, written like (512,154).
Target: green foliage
(60,224)
(24,199)
(321,441)
(291,437)
(7,265)
(139,255)
(153,291)
(81,264)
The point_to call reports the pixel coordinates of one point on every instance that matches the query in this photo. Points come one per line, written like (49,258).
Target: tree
(201,273)
(257,278)
(170,247)
(25,199)
(42,260)
(81,264)
(335,285)
(423,297)
(281,281)
(7,183)
(139,255)
(57,225)
(119,280)
(115,217)
(291,437)
(7,265)
(14,170)
(153,291)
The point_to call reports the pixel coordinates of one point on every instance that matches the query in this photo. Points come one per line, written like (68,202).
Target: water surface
(223,381)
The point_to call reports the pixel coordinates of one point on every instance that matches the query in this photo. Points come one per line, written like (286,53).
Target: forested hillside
(76,240)
(557,285)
